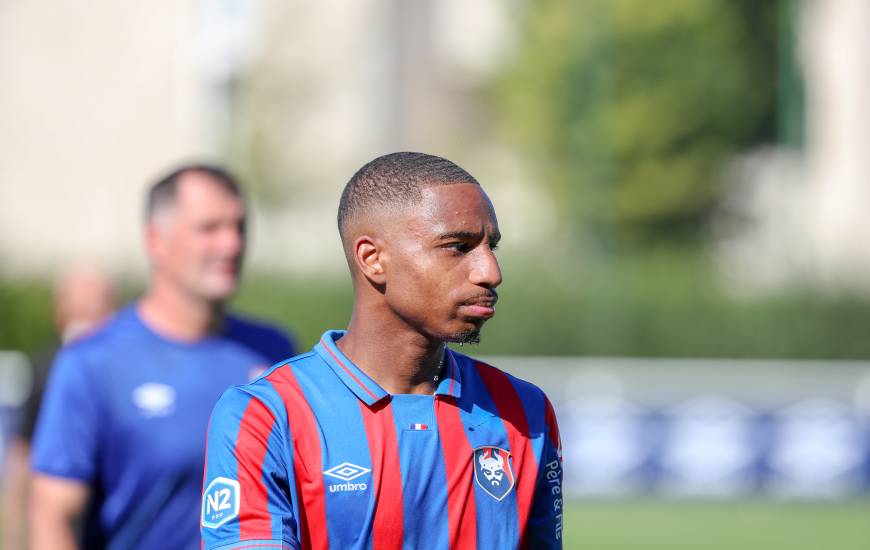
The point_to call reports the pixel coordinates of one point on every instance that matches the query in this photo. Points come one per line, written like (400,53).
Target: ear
(369,257)
(154,240)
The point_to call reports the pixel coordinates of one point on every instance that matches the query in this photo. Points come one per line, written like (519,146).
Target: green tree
(631,107)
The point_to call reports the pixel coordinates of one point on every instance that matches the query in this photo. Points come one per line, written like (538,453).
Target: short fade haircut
(162,193)
(395,180)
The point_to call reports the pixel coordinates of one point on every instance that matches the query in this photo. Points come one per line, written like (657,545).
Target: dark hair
(393,180)
(163,192)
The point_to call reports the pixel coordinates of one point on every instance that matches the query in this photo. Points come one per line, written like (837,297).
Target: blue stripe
(221,462)
(424,478)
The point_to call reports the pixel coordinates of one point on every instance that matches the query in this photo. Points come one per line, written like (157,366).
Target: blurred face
(440,267)
(197,244)
(83,299)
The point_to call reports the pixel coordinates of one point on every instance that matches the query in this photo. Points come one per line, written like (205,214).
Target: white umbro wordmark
(346,472)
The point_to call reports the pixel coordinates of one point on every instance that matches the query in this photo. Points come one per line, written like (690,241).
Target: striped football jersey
(315,454)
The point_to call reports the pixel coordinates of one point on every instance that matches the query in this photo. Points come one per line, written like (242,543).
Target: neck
(395,356)
(171,312)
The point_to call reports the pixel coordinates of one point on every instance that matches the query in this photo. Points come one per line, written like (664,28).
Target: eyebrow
(468,236)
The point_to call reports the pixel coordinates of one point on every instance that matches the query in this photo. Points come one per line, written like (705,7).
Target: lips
(225,267)
(483,306)
(484,312)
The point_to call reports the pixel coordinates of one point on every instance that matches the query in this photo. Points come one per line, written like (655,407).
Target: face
(196,245)
(84,298)
(439,263)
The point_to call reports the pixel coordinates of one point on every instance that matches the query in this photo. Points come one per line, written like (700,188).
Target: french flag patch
(419,427)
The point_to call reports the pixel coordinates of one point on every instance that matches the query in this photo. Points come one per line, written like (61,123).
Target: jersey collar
(451,376)
(353,377)
(366,389)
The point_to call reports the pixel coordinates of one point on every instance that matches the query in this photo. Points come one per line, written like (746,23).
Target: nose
(485,270)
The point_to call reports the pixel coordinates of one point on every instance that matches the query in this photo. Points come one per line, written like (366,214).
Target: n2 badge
(220,502)
(493,471)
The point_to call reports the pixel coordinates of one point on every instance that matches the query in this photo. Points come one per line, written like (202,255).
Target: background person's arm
(15,495)
(56,505)
(65,450)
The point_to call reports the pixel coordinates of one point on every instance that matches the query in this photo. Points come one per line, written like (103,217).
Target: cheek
(428,286)
(412,282)
(195,247)
(187,254)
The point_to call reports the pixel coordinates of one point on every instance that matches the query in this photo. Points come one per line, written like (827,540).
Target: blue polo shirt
(126,411)
(315,454)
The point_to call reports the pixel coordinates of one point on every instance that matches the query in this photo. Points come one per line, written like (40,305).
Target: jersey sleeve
(66,441)
(246,499)
(545,522)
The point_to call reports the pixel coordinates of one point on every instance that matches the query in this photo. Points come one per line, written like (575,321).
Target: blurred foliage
(26,315)
(660,303)
(308,307)
(630,108)
(656,304)
(664,303)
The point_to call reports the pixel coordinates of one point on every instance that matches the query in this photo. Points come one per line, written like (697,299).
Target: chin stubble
(471,336)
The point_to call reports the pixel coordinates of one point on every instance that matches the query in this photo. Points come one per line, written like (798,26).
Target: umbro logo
(347,472)
(153,399)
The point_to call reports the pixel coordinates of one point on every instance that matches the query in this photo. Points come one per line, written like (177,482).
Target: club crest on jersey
(220,502)
(493,471)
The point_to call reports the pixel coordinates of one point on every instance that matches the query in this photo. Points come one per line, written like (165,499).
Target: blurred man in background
(84,297)
(119,442)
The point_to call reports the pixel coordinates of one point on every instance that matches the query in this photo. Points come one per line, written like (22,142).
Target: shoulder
(277,389)
(104,347)
(239,324)
(261,336)
(511,395)
(494,376)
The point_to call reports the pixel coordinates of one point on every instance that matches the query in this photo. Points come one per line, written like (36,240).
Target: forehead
(201,194)
(455,207)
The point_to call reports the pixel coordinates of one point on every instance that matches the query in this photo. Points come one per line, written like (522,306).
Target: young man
(119,443)
(381,436)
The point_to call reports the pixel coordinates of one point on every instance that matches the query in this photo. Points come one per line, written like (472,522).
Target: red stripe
(250,452)
(307,464)
(461,508)
(386,476)
(510,409)
(347,370)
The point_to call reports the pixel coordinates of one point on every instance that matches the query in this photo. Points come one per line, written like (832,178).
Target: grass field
(741,525)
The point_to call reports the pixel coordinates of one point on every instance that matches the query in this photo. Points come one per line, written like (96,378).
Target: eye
(458,247)
(208,227)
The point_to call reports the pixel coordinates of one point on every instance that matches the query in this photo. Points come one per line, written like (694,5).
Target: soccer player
(381,436)
(118,449)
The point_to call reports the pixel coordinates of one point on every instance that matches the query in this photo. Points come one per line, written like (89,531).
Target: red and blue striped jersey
(315,454)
